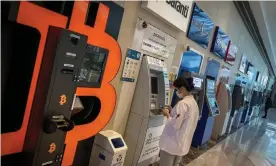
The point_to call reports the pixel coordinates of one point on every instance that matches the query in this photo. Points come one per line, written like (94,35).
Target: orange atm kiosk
(72,57)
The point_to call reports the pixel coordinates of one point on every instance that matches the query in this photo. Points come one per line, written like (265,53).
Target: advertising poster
(151,144)
(225,74)
(131,65)
(191,61)
(220,43)
(250,72)
(201,27)
(231,53)
(158,42)
(243,64)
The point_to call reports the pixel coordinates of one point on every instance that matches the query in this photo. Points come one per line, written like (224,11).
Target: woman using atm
(177,135)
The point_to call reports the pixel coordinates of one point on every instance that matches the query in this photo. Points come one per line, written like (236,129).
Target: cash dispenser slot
(67,71)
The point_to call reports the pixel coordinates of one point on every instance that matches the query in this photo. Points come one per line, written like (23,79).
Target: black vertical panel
(114,19)
(18,54)
(92,14)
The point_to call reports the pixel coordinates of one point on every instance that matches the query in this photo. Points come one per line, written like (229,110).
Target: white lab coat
(178,133)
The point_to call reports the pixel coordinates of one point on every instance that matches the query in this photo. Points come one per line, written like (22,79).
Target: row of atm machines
(224,104)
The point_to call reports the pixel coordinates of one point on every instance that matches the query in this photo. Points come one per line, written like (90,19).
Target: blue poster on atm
(220,43)
(201,27)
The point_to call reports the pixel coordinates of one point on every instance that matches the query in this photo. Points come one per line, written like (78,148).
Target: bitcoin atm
(68,66)
(224,101)
(146,122)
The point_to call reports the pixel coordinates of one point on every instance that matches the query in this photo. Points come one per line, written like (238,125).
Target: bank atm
(237,104)
(210,110)
(255,101)
(224,101)
(198,92)
(146,122)
(247,99)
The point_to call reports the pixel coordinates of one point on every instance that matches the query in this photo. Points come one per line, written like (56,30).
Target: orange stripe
(39,18)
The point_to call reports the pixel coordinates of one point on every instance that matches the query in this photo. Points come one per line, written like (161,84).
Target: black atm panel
(56,86)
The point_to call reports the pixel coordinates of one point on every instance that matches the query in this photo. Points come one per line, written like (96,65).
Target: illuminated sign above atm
(176,13)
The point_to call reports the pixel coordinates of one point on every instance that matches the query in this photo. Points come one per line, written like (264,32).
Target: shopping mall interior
(138,83)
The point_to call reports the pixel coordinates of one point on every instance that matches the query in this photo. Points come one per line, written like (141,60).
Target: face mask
(179,95)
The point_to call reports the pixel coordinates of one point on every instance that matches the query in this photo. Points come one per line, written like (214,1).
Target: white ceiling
(265,15)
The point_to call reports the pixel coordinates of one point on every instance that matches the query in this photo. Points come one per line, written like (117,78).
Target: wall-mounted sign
(231,53)
(131,65)
(225,74)
(243,64)
(220,43)
(250,72)
(201,27)
(158,42)
(176,13)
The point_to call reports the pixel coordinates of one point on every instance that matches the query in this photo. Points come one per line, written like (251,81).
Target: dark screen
(154,85)
(117,142)
(92,66)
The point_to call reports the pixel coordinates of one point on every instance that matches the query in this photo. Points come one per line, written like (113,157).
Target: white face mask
(179,95)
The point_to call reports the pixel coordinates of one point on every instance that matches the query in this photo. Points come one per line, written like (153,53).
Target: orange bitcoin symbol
(62,99)
(106,92)
(52,147)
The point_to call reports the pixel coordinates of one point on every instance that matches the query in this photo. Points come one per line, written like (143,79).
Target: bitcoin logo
(62,99)
(52,147)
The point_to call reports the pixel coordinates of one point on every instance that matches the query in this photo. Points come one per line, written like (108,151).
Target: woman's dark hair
(184,82)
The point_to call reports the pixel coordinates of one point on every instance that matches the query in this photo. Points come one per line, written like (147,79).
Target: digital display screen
(231,55)
(191,61)
(92,66)
(154,85)
(243,64)
(212,103)
(201,27)
(197,82)
(210,86)
(220,44)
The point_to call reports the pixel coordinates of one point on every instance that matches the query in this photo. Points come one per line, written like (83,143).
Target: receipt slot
(109,149)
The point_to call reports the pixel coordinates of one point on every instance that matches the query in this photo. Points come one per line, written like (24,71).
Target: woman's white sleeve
(182,113)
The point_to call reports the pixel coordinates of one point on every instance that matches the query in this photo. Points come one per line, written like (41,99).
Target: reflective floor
(252,145)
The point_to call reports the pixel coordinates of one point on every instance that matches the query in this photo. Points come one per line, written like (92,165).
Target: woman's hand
(166,112)
(168,107)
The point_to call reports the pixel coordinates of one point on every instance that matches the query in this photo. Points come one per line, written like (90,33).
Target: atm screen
(92,66)
(212,103)
(197,82)
(210,86)
(154,85)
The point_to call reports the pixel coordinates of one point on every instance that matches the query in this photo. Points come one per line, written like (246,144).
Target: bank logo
(179,7)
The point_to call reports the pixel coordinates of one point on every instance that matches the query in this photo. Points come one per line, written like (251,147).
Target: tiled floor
(252,145)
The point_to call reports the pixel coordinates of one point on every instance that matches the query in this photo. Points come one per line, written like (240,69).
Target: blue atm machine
(190,67)
(210,109)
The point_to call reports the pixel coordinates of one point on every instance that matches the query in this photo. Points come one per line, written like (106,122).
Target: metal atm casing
(145,122)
